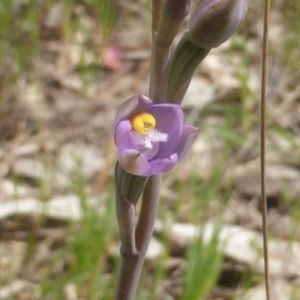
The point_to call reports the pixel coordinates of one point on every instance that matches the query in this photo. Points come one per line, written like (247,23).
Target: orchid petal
(163,165)
(122,134)
(126,138)
(189,134)
(169,120)
(131,106)
(134,162)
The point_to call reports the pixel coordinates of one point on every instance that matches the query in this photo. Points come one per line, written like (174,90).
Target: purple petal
(150,153)
(163,165)
(139,140)
(189,134)
(122,135)
(169,120)
(134,162)
(137,103)
(126,138)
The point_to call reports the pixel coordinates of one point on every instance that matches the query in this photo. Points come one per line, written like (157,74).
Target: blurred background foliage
(83,259)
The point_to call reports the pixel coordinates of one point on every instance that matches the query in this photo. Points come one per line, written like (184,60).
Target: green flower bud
(214,21)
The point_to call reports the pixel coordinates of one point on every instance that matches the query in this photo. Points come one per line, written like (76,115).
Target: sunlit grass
(84,252)
(204,264)
(22,32)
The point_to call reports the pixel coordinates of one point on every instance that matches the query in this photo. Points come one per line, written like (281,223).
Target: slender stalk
(159,64)
(129,274)
(148,213)
(166,24)
(133,253)
(135,241)
(263,145)
(156,12)
(160,53)
(128,277)
(131,265)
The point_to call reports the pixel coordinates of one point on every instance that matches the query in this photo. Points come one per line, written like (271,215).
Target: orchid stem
(159,69)
(156,12)
(160,54)
(129,274)
(148,213)
(133,253)
(132,259)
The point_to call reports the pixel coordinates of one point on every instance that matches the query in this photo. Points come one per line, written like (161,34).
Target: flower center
(145,123)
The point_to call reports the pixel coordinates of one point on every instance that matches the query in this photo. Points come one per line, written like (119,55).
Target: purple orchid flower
(151,138)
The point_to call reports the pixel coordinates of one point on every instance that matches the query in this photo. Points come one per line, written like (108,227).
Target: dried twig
(262,145)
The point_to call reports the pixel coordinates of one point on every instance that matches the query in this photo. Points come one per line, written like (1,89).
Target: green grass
(85,252)
(204,264)
(21,35)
